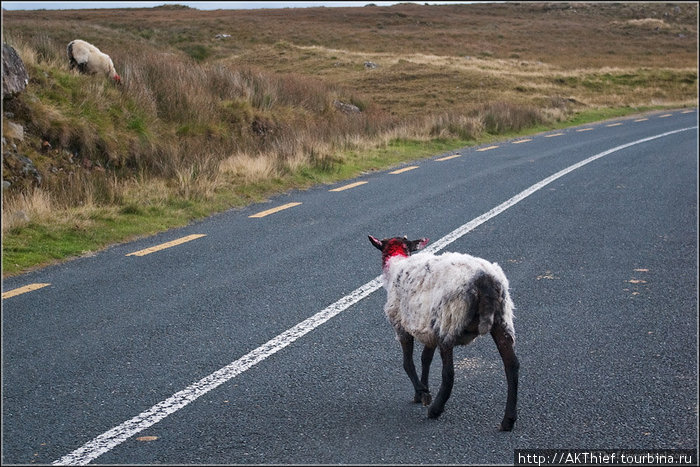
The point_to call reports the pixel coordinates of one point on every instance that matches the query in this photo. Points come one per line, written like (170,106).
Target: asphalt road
(603,267)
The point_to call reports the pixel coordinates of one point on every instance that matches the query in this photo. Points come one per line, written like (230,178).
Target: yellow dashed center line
(447,158)
(405,169)
(555,134)
(487,148)
(584,129)
(614,124)
(347,187)
(163,246)
(21,290)
(665,115)
(641,120)
(521,141)
(274,210)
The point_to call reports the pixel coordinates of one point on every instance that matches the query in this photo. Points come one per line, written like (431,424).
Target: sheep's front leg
(448,379)
(505,344)
(422,391)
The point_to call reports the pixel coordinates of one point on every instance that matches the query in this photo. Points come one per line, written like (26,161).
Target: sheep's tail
(494,304)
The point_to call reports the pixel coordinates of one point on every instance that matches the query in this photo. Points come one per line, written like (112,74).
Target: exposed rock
(370,65)
(14,74)
(347,108)
(20,217)
(13,131)
(19,171)
(29,170)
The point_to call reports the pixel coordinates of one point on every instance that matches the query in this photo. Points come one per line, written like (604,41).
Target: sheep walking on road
(443,301)
(89,59)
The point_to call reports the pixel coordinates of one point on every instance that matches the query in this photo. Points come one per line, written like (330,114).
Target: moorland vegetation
(222,108)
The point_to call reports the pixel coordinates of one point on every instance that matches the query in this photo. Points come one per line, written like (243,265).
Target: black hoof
(423,396)
(507,424)
(434,412)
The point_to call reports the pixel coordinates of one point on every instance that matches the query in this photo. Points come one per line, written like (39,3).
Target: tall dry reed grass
(197,127)
(20,209)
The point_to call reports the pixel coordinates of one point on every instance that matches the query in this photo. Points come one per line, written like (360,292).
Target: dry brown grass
(644,23)
(177,119)
(199,115)
(21,209)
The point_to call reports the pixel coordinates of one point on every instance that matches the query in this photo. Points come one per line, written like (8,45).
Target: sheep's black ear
(417,244)
(376,242)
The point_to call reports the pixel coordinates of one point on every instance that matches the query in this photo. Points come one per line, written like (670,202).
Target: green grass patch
(596,115)
(137,124)
(40,244)
(198,52)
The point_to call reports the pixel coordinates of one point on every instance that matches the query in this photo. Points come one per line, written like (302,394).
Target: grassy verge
(81,231)
(223,108)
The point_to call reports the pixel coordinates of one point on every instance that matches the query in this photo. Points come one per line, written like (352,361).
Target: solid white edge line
(471,225)
(117,435)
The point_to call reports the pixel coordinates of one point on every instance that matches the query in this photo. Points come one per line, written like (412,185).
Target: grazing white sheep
(443,301)
(89,59)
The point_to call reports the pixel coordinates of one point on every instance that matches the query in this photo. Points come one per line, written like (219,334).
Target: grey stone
(14,74)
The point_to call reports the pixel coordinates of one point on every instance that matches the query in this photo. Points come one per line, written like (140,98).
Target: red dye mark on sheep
(394,247)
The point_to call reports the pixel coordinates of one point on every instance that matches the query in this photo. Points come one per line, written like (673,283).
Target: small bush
(456,126)
(198,52)
(502,117)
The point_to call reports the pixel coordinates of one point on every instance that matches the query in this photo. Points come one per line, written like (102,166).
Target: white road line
(471,225)
(117,435)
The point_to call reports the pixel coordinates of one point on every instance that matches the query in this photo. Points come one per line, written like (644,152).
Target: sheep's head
(397,246)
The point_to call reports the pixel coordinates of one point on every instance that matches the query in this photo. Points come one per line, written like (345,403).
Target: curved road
(258,336)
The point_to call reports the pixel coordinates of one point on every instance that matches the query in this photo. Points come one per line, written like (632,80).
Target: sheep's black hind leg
(505,343)
(426,359)
(406,341)
(448,379)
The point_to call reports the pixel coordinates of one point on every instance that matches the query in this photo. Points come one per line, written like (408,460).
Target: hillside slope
(219,108)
